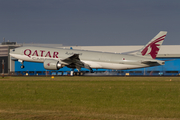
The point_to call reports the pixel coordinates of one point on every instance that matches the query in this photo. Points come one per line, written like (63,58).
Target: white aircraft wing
(74,62)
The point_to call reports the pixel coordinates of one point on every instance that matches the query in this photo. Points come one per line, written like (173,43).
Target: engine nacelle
(51,64)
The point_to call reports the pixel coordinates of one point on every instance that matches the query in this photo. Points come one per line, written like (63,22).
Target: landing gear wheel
(81,73)
(22,66)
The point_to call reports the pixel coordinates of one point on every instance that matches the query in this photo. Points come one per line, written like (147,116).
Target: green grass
(90,98)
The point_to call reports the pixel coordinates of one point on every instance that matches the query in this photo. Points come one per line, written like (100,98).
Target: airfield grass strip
(90,98)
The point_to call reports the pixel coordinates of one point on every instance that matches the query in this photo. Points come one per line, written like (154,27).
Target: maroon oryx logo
(152,48)
(48,64)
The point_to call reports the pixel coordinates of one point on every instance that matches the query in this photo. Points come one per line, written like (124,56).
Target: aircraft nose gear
(21,61)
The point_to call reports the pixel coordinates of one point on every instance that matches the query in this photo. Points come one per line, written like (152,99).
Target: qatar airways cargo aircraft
(56,58)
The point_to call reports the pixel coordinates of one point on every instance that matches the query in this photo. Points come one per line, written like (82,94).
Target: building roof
(165,51)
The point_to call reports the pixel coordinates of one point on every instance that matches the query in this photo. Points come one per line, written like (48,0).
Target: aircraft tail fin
(152,48)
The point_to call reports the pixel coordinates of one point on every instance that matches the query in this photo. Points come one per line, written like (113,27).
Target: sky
(89,22)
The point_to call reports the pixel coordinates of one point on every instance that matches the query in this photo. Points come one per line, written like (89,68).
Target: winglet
(153,47)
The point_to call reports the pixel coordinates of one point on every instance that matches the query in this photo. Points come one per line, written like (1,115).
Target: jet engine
(51,64)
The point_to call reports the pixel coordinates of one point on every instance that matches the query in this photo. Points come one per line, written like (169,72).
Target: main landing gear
(79,73)
(21,61)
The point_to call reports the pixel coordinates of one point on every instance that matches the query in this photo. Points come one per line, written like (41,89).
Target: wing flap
(74,62)
(153,62)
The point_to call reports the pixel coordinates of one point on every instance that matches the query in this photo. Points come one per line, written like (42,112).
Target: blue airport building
(171,67)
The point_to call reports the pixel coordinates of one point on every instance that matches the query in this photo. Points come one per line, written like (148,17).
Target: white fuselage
(92,58)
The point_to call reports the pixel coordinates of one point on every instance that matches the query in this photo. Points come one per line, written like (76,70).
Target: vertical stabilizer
(152,48)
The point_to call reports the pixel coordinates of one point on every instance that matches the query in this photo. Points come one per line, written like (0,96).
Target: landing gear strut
(72,72)
(91,70)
